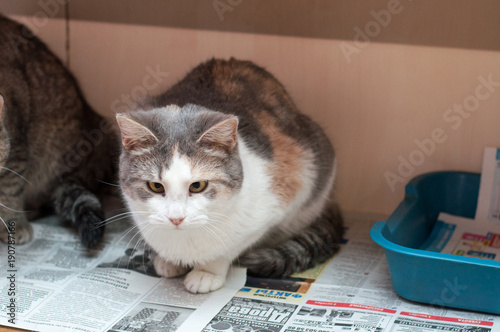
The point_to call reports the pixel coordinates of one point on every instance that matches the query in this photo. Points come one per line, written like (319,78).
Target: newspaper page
(53,284)
(351,292)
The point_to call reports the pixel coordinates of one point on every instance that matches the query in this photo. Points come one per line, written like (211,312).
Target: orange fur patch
(224,81)
(287,156)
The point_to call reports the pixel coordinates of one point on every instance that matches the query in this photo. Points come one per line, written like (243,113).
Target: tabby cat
(54,148)
(223,167)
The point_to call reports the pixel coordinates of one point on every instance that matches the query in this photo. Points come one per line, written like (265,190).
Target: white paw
(167,269)
(198,281)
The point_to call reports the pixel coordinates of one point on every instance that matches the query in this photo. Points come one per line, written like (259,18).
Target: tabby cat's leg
(205,278)
(74,203)
(13,217)
(15,224)
(313,245)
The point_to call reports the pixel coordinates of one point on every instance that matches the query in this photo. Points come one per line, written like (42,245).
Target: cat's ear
(134,135)
(223,134)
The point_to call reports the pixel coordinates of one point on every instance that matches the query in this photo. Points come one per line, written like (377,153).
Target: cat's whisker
(7,227)
(223,233)
(205,220)
(119,210)
(126,233)
(114,212)
(141,239)
(148,232)
(120,216)
(229,256)
(145,248)
(216,214)
(131,240)
(16,173)
(131,254)
(211,216)
(218,239)
(108,183)
(227,221)
(10,209)
(130,213)
(116,216)
(214,225)
(102,224)
(110,221)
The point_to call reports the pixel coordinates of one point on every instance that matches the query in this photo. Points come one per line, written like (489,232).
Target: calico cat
(223,167)
(54,148)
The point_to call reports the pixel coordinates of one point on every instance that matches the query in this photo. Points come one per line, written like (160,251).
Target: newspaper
(60,288)
(53,284)
(351,292)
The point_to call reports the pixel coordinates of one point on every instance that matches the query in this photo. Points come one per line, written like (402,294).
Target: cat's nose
(176,221)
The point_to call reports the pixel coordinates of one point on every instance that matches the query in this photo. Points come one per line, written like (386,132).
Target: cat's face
(179,168)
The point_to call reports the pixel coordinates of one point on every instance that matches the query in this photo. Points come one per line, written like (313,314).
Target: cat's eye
(198,187)
(156,187)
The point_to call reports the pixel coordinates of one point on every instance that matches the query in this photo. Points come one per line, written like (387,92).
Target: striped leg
(74,203)
(315,244)
(12,188)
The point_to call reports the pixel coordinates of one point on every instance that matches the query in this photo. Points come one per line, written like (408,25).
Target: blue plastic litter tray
(431,277)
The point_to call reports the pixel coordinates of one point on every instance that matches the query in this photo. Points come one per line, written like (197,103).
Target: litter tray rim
(376,233)
(410,199)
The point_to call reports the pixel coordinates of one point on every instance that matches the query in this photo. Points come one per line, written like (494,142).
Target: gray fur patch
(179,131)
(211,194)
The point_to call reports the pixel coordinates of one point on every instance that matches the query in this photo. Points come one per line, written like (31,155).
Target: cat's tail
(315,244)
(76,204)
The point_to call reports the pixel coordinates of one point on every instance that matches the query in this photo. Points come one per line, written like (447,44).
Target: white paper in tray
(465,237)
(488,205)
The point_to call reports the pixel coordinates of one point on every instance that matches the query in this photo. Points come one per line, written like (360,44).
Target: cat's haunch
(223,167)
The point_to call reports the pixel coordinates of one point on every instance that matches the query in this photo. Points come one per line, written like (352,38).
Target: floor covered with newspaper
(55,285)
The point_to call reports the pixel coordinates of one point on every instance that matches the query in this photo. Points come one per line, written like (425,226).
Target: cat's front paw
(167,269)
(22,233)
(199,281)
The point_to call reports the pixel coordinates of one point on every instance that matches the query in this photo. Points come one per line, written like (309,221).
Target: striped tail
(76,204)
(314,245)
